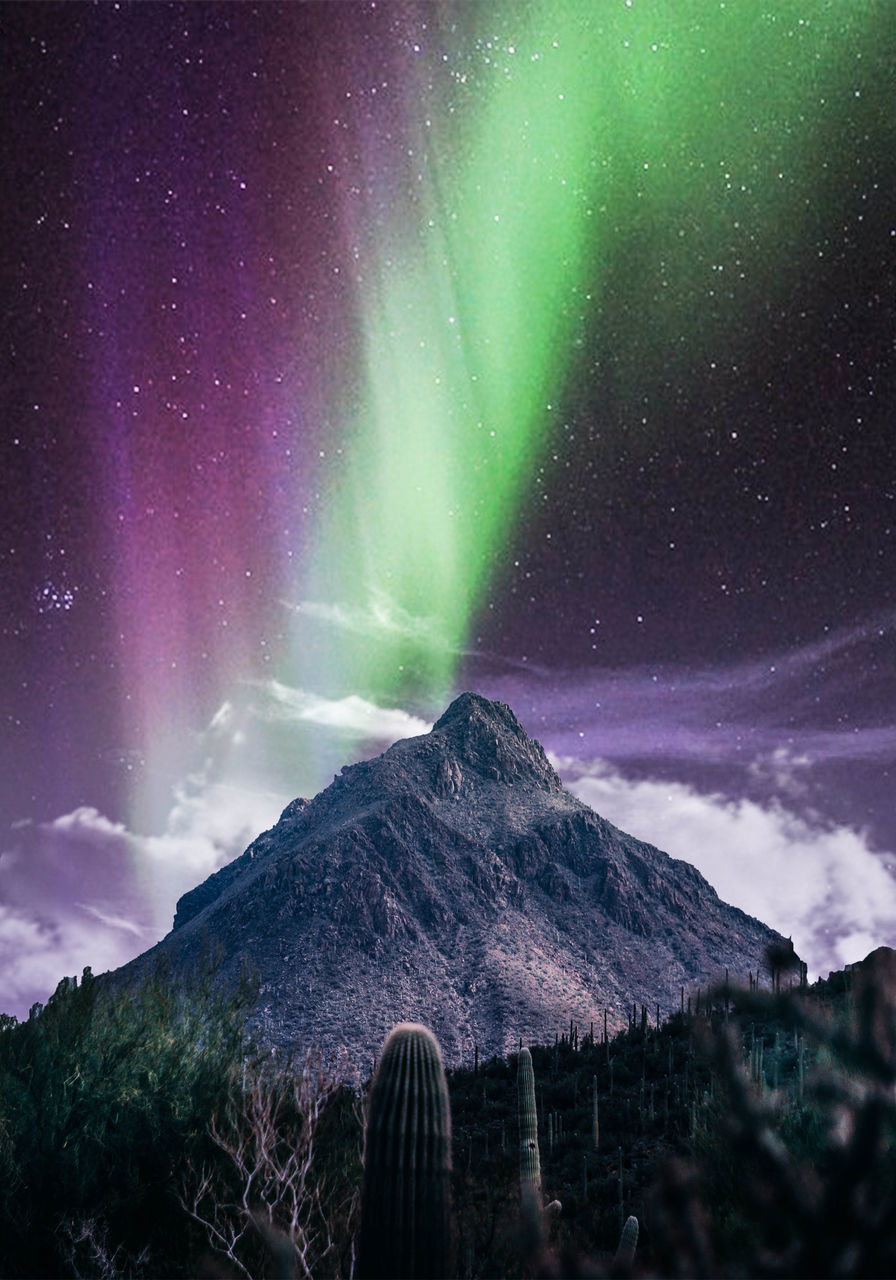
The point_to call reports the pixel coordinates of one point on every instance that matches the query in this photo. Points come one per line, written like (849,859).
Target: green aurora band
(676,150)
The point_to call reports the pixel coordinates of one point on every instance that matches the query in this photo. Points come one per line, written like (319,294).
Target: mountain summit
(453,880)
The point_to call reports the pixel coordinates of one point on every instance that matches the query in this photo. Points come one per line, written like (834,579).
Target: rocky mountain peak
(453,880)
(472,710)
(487,737)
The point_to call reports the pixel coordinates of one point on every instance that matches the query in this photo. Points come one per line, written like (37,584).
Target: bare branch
(263,1194)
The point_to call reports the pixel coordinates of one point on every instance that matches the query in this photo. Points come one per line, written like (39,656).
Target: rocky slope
(454,881)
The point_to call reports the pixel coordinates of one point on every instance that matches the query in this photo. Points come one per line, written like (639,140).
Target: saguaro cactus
(405,1201)
(531,1211)
(595,1121)
(625,1253)
(530,1164)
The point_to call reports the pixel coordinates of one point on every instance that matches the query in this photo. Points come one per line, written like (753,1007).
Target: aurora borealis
(475,289)
(361,353)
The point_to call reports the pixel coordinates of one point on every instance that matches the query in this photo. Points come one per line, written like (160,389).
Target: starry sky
(356,354)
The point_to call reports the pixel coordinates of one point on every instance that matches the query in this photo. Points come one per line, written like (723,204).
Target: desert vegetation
(142,1134)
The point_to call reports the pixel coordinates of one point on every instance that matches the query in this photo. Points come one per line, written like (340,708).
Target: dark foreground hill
(452,880)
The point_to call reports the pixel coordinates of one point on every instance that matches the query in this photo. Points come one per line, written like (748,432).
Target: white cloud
(222,720)
(350,714)
(784,771)
(380,616)
(84,890)
(88,821)
(821,884)
(209,823)
(36,953)
(112,922)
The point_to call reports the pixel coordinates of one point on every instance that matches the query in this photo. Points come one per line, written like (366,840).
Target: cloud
(112,922)
(784,772)
(88,822)
(80,853)
(819,883)
(35,953)
(381,616)
(351,714)
(84,890)
(792,702)
(222,720)
(209,823)
(809,729)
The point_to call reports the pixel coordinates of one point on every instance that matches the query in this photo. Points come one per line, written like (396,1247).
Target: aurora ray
(602,126)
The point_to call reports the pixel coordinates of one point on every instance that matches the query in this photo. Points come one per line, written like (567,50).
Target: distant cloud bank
(85,890)
(820,884)
(82,890)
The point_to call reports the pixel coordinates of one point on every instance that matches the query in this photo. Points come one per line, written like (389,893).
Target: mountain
(452,880)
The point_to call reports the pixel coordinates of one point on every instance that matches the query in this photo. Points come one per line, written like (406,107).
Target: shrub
(103,1093)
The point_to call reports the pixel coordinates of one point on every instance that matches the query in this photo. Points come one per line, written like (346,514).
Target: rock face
(453,881)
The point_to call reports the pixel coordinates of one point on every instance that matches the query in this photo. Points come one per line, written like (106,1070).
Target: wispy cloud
(380,616)
(810,729)
(792,700)
(351,714)
(820,883)
(112,922)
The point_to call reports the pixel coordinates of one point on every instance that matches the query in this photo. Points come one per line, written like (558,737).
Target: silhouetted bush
(103,1093)
(756,1139)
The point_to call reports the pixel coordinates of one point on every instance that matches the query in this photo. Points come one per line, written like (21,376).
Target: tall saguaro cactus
(595,1120)
(530,1164)
(531,1213)
(405,1201)
(625,1253)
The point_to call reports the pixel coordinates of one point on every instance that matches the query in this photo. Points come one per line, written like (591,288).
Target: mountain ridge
(453,880)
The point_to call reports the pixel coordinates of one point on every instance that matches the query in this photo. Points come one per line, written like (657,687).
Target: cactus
(595,1125)
(625,1253)
(531,1209)
(405,1201)
(530,1165)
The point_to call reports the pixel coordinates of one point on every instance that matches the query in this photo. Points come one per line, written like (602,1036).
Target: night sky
(356,354)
